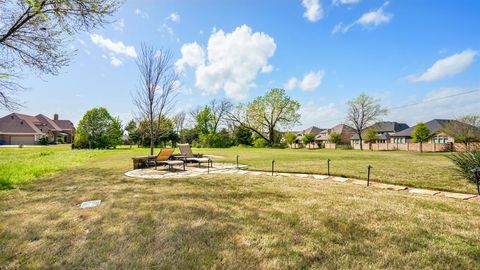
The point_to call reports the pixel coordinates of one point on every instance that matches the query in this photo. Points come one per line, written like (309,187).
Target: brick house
(346,133)
(16,129)
(435,126)
(385,131)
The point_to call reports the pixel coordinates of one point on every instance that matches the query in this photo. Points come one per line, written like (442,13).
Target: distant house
(385,131)
(311,130)
(16,129)
(346,133)
(435,126)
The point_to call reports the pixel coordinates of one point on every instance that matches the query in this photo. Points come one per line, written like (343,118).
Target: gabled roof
(434,126)
(65,124)
(311,130)
(340,128)
(17,123)
(387,126)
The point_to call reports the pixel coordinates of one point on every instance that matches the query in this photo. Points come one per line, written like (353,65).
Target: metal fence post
(237,162)
(328,167)
(369,167)
(476,172)
(273,166)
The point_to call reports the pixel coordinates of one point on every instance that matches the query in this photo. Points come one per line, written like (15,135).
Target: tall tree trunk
(421,147)
(361,141)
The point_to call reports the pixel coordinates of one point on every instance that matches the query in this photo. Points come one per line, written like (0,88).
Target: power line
(418,103)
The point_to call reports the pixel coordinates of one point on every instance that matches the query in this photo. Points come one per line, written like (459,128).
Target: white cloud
(119,25)
(345,2)
(291,84)
(192,55)
(446,67)
(437,104)
(367,20)
(174,17)
(313,10)
(113,47)
(231,62)
(310,81)
(115,61)
(267,69)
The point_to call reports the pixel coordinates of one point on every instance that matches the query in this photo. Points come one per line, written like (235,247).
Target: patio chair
(190,156)
(165,158)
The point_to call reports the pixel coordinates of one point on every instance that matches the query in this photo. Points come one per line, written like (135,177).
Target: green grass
(421,170)
(228,221)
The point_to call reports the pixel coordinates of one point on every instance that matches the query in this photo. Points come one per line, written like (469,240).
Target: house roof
(311,130)
(340,128)
(386,126)
(65,124)
(434,126)
(17,123)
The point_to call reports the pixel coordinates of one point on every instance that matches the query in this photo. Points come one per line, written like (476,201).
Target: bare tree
(362,112)
(179,121)
(465,129)
(219,109)
(33,35)
(157,89)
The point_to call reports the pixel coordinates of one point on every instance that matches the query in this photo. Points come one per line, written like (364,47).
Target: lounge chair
(190,156)
(164,158)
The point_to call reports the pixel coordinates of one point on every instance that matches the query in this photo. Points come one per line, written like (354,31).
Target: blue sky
(323,52)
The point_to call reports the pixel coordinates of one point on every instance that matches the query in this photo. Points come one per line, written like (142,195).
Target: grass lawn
(422,170)
(229,221)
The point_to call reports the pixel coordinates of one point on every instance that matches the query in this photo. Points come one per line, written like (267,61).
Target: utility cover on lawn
(89,204)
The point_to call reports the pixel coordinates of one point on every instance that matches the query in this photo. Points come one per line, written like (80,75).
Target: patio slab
(424,191)
(321,177)
(460,196)
(388,186)
(340,179)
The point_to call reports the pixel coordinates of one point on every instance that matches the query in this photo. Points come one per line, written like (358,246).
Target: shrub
(60,140)
(260,143)
(43,140)
(465,163)
(334,137)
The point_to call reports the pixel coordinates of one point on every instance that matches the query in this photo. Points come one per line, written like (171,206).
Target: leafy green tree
(34,35)
(243,135)
(370,136)
(188,135)
(267,113)
(363,111)
(290,138)
(308,139)
(205,121)
(421,134)
(131,129)
(98,129)
(334,137)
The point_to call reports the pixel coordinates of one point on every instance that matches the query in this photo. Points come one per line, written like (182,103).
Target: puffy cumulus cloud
(446,67)
(113,47)
(367,20)
(174,17)
(310,81)
(231,61)
(192,55)
(313,10)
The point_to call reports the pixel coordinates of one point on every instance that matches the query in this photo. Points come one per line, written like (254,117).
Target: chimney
(55,116)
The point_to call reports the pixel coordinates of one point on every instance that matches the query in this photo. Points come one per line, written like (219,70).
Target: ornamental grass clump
(465,163)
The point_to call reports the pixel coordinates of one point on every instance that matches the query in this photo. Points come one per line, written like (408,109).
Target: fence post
(273,166)
(369,167)
(476,172)
(237,162)
(328,167)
